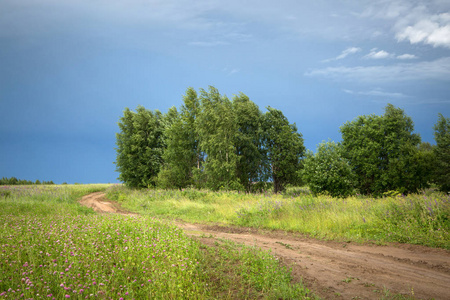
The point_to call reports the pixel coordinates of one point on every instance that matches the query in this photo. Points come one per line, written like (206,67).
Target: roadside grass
(258,272)
(51,247)
(46,199)
(422,218)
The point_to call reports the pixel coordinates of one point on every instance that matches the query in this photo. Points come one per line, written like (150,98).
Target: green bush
(327,171)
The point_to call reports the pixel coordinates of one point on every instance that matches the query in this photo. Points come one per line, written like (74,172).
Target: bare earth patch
(334,270)
(99,203)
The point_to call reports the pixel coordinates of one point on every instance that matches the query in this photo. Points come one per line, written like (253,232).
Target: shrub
(328,171)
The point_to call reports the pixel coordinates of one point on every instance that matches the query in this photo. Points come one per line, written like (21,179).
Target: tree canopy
(15,181)
(383,152)
(213,142)
(284,147)
(140,147)
(217,143)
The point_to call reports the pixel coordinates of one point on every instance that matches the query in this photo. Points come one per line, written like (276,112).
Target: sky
(69,68)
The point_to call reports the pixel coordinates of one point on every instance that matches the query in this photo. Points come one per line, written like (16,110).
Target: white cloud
(438,69)
(233,22)
(419,21)
(348,51)
(377,93)
(429,29)
(374,54)
(344,54)
(406,56)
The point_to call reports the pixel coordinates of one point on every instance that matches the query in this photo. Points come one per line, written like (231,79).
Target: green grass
(46,199)
(422,218)
(51,247)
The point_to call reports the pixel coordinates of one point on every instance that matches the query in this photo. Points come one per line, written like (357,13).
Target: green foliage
(220,144)
(140,146)
(15,181)
(383,152)
(425,162)
(182,154)
(284,146)
(251,156)
(212,143)
(217,129)
(442,153)
(328,171)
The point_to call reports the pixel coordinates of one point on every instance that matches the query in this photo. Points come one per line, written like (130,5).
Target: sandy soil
(334,270)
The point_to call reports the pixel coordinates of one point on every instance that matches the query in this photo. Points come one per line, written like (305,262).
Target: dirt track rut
(334,270)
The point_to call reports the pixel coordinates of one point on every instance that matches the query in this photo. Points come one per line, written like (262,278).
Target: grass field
(53,248)
(422,218)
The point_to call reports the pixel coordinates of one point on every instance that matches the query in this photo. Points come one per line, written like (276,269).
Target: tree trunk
(277,185)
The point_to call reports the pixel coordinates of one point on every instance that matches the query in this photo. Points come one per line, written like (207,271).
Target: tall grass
(416,219)
(46,199)
(53,248)
(419,218)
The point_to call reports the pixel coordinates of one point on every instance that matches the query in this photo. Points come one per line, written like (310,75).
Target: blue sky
(69,68)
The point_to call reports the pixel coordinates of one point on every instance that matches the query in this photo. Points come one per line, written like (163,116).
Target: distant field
(53,248)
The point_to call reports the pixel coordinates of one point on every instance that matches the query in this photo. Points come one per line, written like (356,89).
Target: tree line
(216,143)
(211,142)
(15,181)
(378,155)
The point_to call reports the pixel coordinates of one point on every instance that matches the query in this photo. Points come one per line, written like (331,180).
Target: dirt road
(335,270)
(99,203)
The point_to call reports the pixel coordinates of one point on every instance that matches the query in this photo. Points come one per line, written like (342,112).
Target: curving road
(334,270)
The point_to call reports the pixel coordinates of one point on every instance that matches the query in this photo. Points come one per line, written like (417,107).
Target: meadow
(53,248)
(422,218)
